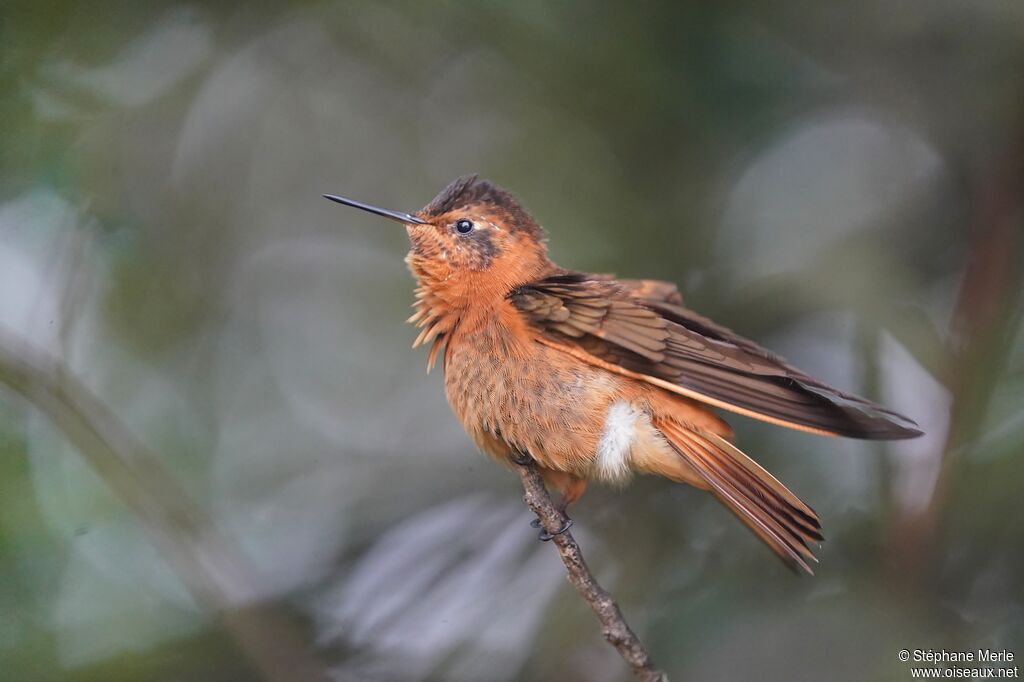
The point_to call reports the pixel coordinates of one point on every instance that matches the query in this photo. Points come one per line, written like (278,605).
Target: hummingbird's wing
(653,289)
(602,322)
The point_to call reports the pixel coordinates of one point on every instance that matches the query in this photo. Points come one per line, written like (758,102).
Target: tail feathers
(767,507)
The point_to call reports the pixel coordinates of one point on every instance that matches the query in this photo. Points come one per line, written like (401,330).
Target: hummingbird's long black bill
(387,213)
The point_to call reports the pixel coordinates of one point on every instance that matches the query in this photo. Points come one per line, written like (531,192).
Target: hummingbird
(596,378)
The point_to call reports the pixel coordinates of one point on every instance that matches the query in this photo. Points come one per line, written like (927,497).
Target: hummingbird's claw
(521,458)
(535,523)
(545,536)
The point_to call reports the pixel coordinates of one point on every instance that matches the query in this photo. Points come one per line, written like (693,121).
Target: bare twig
(613,626)
(216,576)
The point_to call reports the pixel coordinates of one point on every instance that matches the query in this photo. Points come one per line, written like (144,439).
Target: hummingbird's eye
(464,226)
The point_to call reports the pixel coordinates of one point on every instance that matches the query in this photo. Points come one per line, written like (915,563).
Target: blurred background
(220,460)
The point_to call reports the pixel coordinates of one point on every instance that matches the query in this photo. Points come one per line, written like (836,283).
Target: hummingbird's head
(472,240)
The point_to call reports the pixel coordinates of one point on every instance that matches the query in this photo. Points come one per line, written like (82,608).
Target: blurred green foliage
(840,182)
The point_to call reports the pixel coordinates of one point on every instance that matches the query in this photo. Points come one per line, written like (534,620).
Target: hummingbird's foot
(521,458)
(545,536)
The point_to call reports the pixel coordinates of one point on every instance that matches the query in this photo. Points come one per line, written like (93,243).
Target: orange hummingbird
(597,378)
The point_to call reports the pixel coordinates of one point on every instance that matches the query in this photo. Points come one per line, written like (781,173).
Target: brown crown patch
(469,190)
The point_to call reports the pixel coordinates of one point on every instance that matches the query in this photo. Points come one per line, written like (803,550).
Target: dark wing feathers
(713,330)
(577,311)
(657,338)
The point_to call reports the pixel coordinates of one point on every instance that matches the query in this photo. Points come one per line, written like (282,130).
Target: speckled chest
(509,389)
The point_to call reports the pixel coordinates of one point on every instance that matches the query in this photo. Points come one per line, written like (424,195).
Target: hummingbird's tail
(767,507)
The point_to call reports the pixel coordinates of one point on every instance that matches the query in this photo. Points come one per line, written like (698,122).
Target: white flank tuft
(613,450)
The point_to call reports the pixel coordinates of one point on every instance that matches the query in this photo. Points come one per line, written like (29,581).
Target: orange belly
(530,401)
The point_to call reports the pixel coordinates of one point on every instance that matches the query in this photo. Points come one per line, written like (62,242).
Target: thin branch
(214,573)
(613,626)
